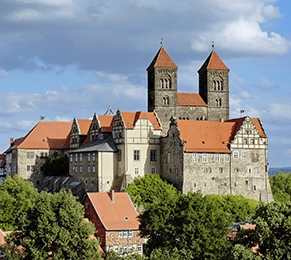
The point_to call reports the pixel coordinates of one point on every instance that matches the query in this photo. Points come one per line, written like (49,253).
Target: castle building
(186,137)
(212,102)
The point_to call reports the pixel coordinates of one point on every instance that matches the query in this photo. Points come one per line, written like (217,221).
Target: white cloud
(265,84)
(271,11)
(25,125)
(281,110)
(63,119)
(5,125)
(47,2)
(3,74)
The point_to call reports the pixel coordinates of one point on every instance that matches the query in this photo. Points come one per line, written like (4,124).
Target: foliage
(281,186)
(237,207)
(56,165)
(17,198)
(239,252)
(272,233)
(188,224)
(149,189)
(57,228)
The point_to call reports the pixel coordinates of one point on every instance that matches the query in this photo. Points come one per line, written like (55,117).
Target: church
(187,138)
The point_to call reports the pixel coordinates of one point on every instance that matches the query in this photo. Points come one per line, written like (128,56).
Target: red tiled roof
(47,135)
(84,126)
(3,158)
(213,62)
(256,122)
(259,127)
(2,237)
(106,122)
(190,99)
(15,143)
(130,119)
(113,215)
(162,60)
(206,136)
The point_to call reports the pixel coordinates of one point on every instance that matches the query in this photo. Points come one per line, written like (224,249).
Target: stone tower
(214,88)
(162,86)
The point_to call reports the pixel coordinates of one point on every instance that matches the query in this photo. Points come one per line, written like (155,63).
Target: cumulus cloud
(5,125)
(3,74)
(25,125)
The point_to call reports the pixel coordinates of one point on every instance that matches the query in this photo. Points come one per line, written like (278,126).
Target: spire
(162,60)
(109,112)
(213,62)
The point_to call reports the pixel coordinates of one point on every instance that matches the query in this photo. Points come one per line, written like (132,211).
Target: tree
(237,207)
(191,225)
(57,229)
(272,233)
(239,252)
(17,198)
(56,165)
(149,189)
(281,186)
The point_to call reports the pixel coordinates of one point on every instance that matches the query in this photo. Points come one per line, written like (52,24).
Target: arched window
(217,83)
(218,102)
(162,83)
(165,101)
(166,83)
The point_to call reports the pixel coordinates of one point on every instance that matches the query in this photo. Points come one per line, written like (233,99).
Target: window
(32,155)
(243,155)
(130,233)
(125,248)
(204,157)
(93,168)
(120,234)
(209,170)
(88,168)
(235,155)
(218,102)
(28,155)
(76,157)
(71,157)
(28,168)
(257,171)
(255,187)
(76,168)
(226,157)
(81,157)
(249,170)
(153,155)
(31,168)
(247,182)
(165,101)
(136,155)
(136,171)
(125,233)
(89,157)
(94,157)
(153,170)
(119,155)
(216,156)
(194,157)
(235,170)
(139,248)
(220,170)
(205,170)
(252,141)
(110,248)
(169,157)
(81,168)
(245,141)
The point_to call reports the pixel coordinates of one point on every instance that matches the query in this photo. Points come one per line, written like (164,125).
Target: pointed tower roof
(213,62)
(162,60)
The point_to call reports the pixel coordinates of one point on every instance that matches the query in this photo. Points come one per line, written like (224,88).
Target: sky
(72,58)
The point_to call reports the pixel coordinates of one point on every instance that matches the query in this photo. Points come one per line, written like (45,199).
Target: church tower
(214,87)
(162,87)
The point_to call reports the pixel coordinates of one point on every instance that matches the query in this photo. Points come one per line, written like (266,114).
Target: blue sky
(70,58)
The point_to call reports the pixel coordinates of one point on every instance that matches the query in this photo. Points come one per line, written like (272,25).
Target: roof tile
(213,62)
(130,119)
(162,60)
(190,99)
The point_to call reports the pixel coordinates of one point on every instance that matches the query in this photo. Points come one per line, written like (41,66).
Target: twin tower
(212,102)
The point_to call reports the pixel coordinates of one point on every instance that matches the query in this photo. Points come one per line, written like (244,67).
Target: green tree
(149,189)
(17,198)
(281,186)
(191,225)
(239,252)
(272,233)
(57,229)
(237,207)
(57,165)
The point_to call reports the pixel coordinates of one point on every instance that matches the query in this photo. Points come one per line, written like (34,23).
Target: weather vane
(213,45)
(162,41)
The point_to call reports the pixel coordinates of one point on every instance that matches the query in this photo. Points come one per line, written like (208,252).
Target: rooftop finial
(212,45)
(161,41)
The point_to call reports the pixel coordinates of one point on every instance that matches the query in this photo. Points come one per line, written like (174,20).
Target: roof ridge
(162,59)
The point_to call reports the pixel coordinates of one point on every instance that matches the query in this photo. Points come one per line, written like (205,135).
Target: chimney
(111,195)
(221,120)
(11,140)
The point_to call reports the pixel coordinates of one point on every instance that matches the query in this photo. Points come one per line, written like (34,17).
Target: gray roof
(109,112)
(106,145)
